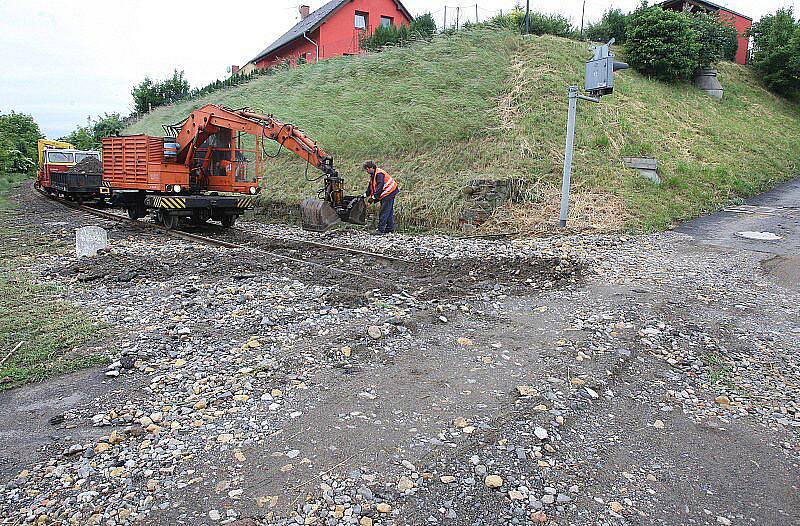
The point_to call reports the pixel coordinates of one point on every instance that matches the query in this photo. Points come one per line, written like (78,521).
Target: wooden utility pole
(476,14)
(458,14)
(444,26)
(528,17)
(583,12)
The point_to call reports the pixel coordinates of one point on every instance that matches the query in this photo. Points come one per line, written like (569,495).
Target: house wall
(337,35)
(293,51)
(742,25)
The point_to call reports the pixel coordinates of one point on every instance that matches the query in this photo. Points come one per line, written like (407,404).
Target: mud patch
(511,276)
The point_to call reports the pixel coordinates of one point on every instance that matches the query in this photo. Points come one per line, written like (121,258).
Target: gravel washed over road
(587,380)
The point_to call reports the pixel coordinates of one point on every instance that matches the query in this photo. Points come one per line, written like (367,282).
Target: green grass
(48,328)
(489,104)
(719,371)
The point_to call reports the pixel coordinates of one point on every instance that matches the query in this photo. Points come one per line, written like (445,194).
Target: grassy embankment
(41,329)
(490,105)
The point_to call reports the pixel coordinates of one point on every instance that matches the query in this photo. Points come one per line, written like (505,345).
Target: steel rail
(327,246)
(211,241)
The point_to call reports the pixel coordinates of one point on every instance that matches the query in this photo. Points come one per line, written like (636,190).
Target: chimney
(234,70)
(304,10)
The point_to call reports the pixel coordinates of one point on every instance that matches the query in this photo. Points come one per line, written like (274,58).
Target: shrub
(662,44)
(715,38)
(422,27)
(540,23)
(613,25)
(776,57)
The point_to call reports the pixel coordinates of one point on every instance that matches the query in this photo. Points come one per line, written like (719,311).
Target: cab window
(59,157)
(81,156)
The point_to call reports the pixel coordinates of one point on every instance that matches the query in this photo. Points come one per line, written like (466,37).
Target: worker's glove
(366,194)
(371,200)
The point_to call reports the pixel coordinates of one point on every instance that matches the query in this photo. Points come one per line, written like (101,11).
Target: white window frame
(69,155)
(387,21)
(362,16)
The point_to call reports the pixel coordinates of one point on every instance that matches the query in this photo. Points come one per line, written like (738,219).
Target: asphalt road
(776,211)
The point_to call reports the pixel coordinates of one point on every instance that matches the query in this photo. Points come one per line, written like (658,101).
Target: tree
(19,134)
(109,125)
(148,94)
(82,137)
(613,25)
(90,137)
(776,58)
(174,88)
(145,96)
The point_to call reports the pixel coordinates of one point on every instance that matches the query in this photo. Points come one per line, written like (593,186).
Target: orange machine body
(139,162)
(206,153)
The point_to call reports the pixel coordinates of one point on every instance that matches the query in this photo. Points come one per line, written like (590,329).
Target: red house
(737,20)
(334,29)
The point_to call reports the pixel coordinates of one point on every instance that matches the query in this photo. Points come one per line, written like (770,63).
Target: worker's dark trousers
(386,217)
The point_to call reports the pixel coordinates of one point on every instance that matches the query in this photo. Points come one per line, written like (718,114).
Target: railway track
(211,241)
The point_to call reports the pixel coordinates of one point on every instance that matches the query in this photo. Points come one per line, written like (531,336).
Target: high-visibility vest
(389,183)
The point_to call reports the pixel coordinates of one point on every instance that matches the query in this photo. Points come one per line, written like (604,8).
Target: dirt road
(644,380)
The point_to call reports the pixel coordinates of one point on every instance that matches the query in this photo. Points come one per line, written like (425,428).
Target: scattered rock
(493,481)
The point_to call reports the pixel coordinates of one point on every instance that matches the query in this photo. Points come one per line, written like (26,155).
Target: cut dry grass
(491,105)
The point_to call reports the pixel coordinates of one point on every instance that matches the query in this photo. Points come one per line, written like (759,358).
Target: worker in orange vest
(382,189)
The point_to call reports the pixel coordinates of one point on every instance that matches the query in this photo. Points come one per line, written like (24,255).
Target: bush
(777,52)
(715,38)
(662,44)
(540,23)
(671,46)
(613,25)
(422,27)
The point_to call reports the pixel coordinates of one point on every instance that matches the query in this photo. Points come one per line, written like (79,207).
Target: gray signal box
(600,71)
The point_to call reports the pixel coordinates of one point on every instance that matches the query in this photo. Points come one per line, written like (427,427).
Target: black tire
(170,221)
(199,218)
(228,220)
(134,212)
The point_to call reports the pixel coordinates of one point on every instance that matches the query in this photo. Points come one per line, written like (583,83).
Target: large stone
(89,240)
(493,481)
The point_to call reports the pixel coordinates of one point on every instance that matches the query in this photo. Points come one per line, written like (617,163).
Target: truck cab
(56,157)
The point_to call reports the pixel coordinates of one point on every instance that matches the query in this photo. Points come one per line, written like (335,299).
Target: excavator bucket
(318,215)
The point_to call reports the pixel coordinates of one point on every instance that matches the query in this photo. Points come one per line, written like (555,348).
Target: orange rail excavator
(211,154)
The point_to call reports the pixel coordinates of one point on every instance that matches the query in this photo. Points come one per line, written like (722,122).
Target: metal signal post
(599,81)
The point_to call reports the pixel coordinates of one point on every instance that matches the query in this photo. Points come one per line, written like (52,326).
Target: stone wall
(483,196)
